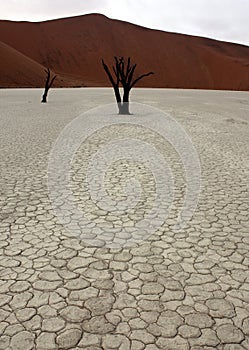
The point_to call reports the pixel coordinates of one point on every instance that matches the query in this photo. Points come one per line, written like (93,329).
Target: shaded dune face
(73,48)
(18,70)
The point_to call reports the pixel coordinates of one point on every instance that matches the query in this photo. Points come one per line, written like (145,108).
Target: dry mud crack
(173,291)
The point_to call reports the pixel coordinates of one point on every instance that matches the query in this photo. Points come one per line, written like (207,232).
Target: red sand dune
(73,48)
(17,69)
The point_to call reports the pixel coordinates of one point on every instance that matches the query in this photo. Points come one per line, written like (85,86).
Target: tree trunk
(124,108)
(48,84)
(126,104)
(44,97)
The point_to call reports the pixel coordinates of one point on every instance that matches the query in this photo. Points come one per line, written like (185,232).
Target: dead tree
(48,84)
(124,75)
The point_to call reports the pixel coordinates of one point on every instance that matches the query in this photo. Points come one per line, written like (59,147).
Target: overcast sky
(219,19)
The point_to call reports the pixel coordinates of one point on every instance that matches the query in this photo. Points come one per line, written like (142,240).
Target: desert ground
(184,290)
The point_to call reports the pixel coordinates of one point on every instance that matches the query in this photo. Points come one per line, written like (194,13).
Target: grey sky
(219,19)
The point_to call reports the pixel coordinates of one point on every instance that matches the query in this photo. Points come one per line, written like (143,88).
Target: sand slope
(73,47)
(18,69)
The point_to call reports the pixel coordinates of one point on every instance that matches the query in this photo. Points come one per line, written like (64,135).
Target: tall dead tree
(123,76)
(48,84)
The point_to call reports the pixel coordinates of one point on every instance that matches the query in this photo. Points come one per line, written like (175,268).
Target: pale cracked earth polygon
(174,291)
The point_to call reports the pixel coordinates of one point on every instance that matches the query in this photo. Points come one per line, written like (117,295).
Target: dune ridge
(73,48)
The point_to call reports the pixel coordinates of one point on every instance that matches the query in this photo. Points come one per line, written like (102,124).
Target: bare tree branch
(128,68)
(51,83)
(139,78)
(108,73)
(130,76)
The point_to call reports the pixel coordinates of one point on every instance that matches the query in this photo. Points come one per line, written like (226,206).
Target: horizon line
(125,21)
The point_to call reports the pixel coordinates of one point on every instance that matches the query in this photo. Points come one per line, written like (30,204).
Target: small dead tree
(124,75)
(48,84)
